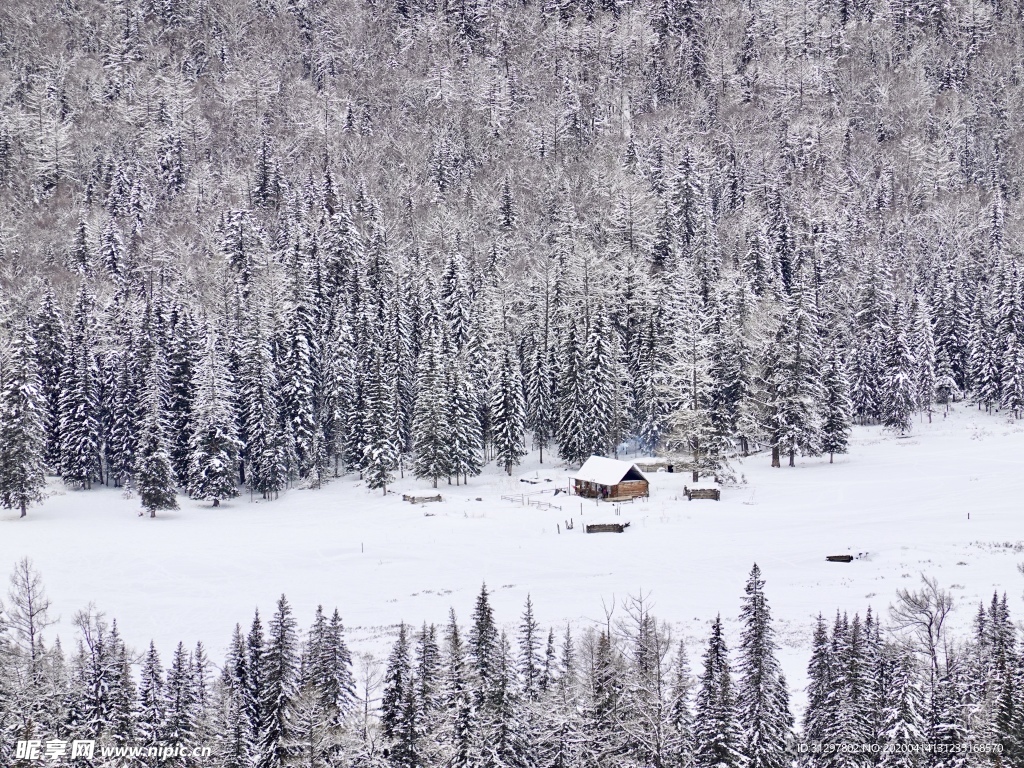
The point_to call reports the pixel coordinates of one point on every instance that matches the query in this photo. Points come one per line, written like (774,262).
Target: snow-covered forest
(621,694)
(246,243)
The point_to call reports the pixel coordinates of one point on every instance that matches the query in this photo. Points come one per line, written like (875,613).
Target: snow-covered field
(904,503)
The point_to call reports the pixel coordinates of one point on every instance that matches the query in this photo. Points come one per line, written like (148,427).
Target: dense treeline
(251,243)
(621,694)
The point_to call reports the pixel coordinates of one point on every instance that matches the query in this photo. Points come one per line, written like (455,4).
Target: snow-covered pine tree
(463,417)
(181,706)
(264,438)
(214,445)
(22,422)
(717,739)
(483,646)
(683,381)
(431,427)
(51,340)
(540,398)
(679,739)
(530,666)
(793,379)
(280,665)
(903,727)
(572,406)
(182,360)
(952,327)
(837,408)
(399,716)
(508,412)
(898,395)
(602,389)
(922,347)
(762,698)
(154,473)
(381,451)
(328,666)
(984,356)
(152,702)
(1012,383)
(300,370)
(79,400)
(456,731)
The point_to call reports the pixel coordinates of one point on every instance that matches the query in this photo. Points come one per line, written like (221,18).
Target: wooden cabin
(609,479)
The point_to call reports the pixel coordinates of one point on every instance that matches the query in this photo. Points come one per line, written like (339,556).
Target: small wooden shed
(601,478)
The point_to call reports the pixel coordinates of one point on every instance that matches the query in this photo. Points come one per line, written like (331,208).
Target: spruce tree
(22,423)
(431,428)
(280,662)
(381,451)
(508,412)
(762,697)
(837,407)
(898,383)
(214,444)
(154,475)
(51,353)
(79,401)
(718,740)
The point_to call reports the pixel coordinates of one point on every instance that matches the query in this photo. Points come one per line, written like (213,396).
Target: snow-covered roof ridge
(604,471)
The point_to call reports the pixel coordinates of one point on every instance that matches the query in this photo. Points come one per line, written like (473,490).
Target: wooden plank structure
(607,527)
(839,558)
(702,493)
(420,499)
(609,479)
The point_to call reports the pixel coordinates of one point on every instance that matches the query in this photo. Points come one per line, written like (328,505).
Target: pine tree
(530,669)
(381,451)
(540,394)
(463,417)
(679,741)
(902,724)
(22,414)
(154,475)
(508,413)
(483,645)
(280,662)
(182,706)
(430,427)
(79,401)
(328,667)
(762,697)
(792,379)
(717,738)
(573,446)
(922,345)
(181,389)
(152,701)
(898,383)
(51,353)
(837,407)
(214,444)
(399,719)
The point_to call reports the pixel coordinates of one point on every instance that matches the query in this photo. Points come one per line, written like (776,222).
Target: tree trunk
(776,462)
(216,502)
(152,512)
(24,508)
(792,457)
(830,456)
(695,475)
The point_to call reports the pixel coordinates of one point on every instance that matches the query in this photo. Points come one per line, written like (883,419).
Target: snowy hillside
(900,505)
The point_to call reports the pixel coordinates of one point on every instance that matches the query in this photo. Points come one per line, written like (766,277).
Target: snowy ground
(192,574)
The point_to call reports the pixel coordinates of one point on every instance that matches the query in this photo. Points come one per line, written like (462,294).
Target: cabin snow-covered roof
(598,469)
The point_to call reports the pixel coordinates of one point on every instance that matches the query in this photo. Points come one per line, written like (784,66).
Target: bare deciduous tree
(923,614)
(28,611)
